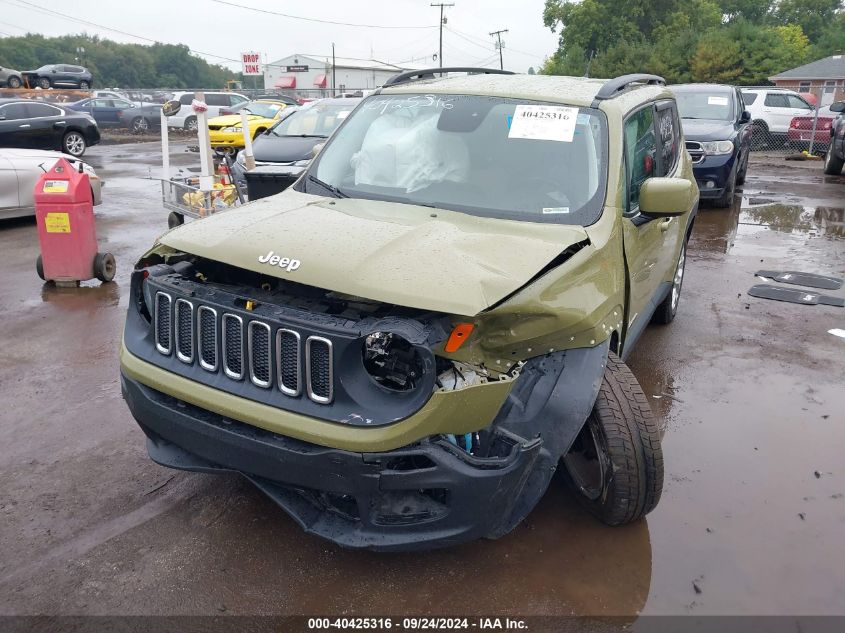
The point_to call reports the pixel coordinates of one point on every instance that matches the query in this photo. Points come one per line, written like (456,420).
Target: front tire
(832,163)
(74,144)
(740,176)
(727,198)
(615,465)
(84,85)
(140,125)
(44,83)
(175,219)
(191,124)
(14,82)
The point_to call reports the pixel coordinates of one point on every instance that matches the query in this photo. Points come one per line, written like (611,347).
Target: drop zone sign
(251,63)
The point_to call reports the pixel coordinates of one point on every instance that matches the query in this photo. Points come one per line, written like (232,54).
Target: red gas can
(64,210)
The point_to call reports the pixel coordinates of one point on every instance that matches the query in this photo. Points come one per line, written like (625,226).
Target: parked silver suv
(10,78)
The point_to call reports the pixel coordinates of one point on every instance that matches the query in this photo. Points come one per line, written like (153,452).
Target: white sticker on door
(544,123)
(717,101)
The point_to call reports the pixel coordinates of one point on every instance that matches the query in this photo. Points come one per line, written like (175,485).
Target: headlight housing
(392,361)
(718,148)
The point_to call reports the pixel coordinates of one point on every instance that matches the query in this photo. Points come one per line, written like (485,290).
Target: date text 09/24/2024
(417,624)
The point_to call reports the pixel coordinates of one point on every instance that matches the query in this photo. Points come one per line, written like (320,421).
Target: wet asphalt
(750,394)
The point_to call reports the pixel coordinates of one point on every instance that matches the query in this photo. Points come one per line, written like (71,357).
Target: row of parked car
(48,76)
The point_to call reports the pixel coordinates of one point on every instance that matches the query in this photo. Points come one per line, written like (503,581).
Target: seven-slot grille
(696,151)
(253,348)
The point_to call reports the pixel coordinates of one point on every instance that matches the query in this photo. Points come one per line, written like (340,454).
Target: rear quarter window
(749,97)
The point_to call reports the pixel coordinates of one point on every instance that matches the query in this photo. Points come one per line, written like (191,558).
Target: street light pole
(498,35)
(441,5)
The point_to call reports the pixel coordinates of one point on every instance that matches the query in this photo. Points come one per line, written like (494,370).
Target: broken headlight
(391,361)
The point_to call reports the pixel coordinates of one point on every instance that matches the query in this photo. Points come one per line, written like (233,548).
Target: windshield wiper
(337,192)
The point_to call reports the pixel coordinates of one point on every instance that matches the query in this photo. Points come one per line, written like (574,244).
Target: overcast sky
(212,27)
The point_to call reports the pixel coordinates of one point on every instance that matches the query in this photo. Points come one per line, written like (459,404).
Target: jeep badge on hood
(282,262)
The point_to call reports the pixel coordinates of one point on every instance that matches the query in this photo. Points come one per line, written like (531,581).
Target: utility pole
(442,22)
(499,45)
(334,89)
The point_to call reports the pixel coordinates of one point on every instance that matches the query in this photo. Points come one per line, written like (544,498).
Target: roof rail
(614,87)
(429,73)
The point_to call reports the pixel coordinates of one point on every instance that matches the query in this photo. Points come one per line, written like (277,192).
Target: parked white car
(772,109)
(216,101)
(20,169)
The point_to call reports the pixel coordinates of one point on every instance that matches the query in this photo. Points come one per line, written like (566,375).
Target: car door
(777,111)
(9,197)
(652,140)
(48,125)
(215,102)
(15,126)
(799,107)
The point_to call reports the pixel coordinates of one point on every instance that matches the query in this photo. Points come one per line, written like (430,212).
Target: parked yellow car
(225,131)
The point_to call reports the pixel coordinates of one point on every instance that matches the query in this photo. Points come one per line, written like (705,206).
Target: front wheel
(727,198)
(615,465)
(191,124)
(740,176)
(84,85)
(175,219)
(74,144)
(832,163)
(44,83)
(140,125)
(14,82)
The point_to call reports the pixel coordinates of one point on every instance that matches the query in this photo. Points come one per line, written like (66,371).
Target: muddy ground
(750,394)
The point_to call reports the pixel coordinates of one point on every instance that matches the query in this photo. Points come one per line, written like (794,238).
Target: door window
(774,100)
(217,99)
(668,128)
(42,110)
(120,103)
(798,103)
(236,99)
(100,103)
(749,98)
(13,111)
(186,98)
(640,152)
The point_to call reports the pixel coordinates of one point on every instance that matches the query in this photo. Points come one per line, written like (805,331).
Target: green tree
(812,16)
(716,59)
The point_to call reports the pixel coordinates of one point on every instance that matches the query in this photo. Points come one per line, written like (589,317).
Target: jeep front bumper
(429,494)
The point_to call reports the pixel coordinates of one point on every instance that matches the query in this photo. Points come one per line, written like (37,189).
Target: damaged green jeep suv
(402,348)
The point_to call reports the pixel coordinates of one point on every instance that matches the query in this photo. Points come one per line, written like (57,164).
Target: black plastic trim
(429,73)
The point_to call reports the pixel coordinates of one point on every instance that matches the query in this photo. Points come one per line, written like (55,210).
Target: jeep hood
(401,254)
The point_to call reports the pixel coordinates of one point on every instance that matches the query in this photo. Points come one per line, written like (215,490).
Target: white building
(311,75)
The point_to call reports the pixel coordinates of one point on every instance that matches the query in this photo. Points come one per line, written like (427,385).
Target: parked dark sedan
(59,76)
(37,125)
(109,112)
(283,152)
(718,137)
(834,160)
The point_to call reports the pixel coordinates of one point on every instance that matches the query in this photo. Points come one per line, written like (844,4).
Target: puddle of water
(819,221)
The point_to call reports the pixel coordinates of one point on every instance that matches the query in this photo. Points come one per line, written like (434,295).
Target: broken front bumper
(429,494)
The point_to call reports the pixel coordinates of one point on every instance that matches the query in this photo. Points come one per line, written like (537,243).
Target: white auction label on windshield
(544,123)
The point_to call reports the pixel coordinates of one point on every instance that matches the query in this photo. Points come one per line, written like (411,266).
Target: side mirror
(318,148)
(837,106)
(666,197)
(745,117)
(171,107)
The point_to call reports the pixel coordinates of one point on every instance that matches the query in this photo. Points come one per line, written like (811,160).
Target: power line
(46,11)
(465,36)
(336,23)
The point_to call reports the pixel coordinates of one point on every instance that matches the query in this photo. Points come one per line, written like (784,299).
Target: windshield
(266,110)
(319,120)
(489,156)
(699,104)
